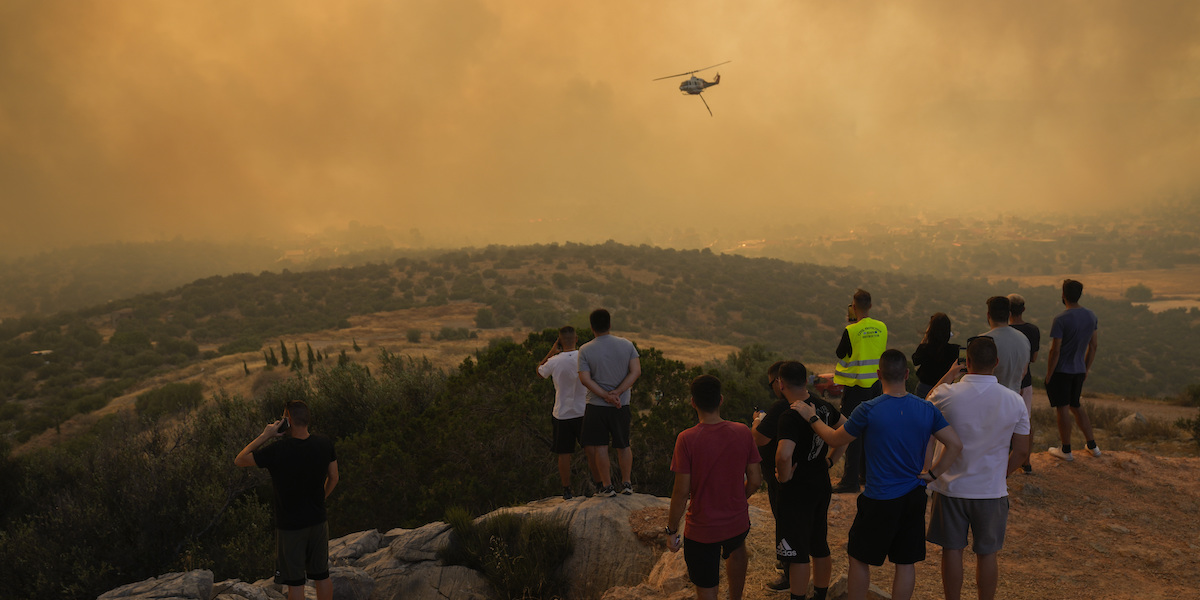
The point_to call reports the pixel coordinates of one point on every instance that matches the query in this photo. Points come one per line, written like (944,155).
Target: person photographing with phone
(304,471)
(570,398)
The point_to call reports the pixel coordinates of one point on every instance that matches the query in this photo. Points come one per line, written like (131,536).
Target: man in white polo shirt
(569,399)
(990,419)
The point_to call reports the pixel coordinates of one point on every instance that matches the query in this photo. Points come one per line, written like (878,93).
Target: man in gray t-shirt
(1011,345)
(608,366)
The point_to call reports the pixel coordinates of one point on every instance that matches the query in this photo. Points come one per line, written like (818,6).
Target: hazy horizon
(480,122)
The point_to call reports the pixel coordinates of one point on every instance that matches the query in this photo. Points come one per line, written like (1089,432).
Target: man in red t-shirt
(716,463)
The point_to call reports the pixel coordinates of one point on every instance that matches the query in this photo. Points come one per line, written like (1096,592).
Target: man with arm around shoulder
(890,522)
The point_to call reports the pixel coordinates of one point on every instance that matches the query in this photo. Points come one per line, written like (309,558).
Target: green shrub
(1191,426)
(520,555)
(242,344)
(1191,395)
(170,399)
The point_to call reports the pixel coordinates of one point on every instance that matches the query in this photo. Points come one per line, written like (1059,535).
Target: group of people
(956,440)
(951,445)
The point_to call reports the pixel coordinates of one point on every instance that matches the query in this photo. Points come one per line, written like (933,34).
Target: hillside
(76,362)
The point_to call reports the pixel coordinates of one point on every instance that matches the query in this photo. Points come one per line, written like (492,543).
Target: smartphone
(284,425)
(850,316)
(962,355)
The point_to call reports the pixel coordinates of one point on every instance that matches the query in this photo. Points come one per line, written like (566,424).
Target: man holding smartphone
(570,397)
(304,472)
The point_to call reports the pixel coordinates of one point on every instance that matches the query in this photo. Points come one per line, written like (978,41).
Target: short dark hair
(298,412)
(893,366)
(706,393)
(998,308)
(793,374)
(567,332)
(862,298)
(773,370)
(1016,304)
(600,320)
(1072,290)
(982,352)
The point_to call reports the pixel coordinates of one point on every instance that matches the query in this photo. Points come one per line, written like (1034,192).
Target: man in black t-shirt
(802,463)
(766,435)
(304,472)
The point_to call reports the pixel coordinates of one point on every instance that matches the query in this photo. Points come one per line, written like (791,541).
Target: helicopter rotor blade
(705,104)
(691,72)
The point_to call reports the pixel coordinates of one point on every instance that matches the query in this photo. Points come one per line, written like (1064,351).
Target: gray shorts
(950,518)
(302,554)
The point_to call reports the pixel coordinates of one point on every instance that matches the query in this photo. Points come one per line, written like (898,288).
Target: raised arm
(833,437)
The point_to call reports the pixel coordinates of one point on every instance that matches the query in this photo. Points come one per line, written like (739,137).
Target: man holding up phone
(570,398)
(304,472)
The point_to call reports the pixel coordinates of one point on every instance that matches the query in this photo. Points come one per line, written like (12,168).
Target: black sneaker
(1027,469)
(627,488)
(607,492)
(779,585)
(567,495)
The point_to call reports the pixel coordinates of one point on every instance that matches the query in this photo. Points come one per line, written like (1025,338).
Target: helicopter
(695,86)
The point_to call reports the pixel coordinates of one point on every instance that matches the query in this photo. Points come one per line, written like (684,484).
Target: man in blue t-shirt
(890,522)
(1073,343)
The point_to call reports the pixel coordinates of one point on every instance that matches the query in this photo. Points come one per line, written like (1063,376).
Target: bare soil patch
(1122,525)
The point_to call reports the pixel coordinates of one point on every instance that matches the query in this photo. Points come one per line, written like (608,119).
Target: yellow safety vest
(868,340)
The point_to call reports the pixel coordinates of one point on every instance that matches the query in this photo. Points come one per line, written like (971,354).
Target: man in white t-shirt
(569,399)
(990,419)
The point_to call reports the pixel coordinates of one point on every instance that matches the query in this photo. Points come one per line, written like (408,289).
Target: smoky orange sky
(513,122)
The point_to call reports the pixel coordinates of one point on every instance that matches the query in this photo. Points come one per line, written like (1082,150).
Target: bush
(520,555)
(413,335)
(170,399)
(1139,293)
(453,333)
(242,344)
(1191,395)
(1191,426)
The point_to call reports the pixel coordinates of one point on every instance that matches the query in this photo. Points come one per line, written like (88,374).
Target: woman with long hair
(934,354)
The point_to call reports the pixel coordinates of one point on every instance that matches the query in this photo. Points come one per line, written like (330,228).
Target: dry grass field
(372,332)
(1173,288)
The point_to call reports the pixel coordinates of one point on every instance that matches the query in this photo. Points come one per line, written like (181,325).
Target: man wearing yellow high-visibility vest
(863,341)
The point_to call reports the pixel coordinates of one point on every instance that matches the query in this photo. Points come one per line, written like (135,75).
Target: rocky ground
(1124,525)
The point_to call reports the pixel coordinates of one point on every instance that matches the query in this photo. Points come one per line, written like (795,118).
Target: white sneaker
(1058,453)
(1095,451)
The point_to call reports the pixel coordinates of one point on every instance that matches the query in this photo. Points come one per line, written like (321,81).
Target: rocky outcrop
(193,585)
(403,564)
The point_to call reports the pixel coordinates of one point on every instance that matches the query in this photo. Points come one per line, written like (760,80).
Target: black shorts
(802,526)
(604,423)
(892,529)
(301,554)
(704,560)
(1065,389)
(566,433)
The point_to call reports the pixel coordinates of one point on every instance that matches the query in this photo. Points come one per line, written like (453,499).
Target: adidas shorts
(802,527)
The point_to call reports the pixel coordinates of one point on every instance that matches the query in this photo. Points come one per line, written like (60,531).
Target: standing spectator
(863,341)
(1073,342)
(803,461)
(561,365)
(304,471)
(608,366)
(1016,308)
(1011,344)
(765,429)
(935,354)
(717,465)
(972,494)
(890,522)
